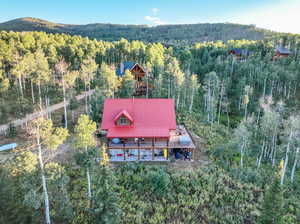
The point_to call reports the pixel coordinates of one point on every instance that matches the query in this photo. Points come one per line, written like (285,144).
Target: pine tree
(272,209)
(105,208)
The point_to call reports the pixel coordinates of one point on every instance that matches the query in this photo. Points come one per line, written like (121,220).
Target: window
(123,121)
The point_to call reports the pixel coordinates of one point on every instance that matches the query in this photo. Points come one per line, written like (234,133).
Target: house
(139,75)
(239,53)
(282,52)
(144,130)
(137,71)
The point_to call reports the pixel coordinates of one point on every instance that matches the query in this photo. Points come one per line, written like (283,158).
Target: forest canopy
(245,109)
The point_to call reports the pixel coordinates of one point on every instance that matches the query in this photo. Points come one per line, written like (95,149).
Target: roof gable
(152,117)
(124,113)
(123,66)
(282,50)
(240,51)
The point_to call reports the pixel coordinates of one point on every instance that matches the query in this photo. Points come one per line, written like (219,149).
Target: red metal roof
(151,117)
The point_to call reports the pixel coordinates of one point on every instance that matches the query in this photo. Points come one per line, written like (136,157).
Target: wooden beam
(139,154)
(124,154)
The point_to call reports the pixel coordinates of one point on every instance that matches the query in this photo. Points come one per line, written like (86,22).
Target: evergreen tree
(272,209)
(105,208)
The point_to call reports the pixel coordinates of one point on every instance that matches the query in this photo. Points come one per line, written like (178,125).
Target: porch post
(152,153)
(193,154)
(168,153)
(152,142)
(139,154)
(124,154)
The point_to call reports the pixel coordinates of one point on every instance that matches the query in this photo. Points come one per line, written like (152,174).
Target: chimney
(121,67)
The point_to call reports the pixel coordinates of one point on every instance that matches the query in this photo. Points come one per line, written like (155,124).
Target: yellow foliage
(84,132)
(105,158)
(25,162)
(166,153)
(280,167)
(246,99)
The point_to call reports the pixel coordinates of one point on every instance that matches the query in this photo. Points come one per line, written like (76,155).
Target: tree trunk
(45,191)
(295,88)
(242,154)
(261,155)
(32,92)
(48,100)
(209,105)
(73,117)
(147,87)
(286,158)
(192,100)
(20,86)
(40,95)
(169,87)
(88,181)
(240,102)
(289,90)
(295,165)
(220,102)
(264,90)
(65,104)
(178,98)
(86,99)
(228,121)
(246,107)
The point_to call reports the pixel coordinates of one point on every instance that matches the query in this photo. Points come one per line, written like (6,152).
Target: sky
(276,15)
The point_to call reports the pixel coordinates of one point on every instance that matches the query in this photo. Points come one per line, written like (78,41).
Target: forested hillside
(167,34)
(245,110)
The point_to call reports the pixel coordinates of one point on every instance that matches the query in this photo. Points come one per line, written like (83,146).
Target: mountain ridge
(188,33)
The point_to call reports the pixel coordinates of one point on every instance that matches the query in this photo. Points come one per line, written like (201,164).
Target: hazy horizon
(275,15)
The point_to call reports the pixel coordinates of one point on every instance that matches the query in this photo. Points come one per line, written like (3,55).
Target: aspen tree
(194,86)
(67,79)
(50,138)
(108,83)
(291,130)
(88,70)
(84,138)
(127,86)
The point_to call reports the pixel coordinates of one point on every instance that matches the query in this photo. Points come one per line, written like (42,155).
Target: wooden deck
(173,142)
(150,149)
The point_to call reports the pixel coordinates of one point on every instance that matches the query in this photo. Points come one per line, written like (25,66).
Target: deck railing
(131,143)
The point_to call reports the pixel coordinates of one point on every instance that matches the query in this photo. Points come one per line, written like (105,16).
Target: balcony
(149,143)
